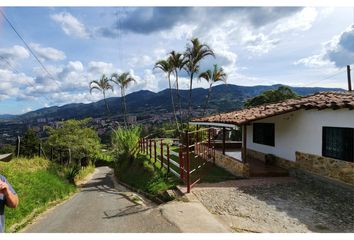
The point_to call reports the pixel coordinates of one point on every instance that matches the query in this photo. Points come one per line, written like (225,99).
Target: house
(313,133)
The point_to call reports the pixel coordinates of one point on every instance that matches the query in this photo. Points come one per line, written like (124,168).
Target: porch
(233,155)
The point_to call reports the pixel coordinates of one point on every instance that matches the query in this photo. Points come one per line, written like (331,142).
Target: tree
(123,81)
(29,143)
(271,96)
(194,53)
(102,85)
(167,67)
(212,77)
(177,61)
(75,135)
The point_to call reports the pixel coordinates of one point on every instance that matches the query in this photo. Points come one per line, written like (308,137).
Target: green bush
(125,143)
(72,172)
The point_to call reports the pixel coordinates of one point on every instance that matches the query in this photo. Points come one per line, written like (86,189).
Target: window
(338,143)
(263,133)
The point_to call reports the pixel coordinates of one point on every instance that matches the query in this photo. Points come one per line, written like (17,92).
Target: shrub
(125,143)
(72,172)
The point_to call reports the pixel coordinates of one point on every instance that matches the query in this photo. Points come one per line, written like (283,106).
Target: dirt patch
(286,207)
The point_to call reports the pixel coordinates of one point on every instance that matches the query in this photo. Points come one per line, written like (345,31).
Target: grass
(39,184)
(84,172)
(143,175)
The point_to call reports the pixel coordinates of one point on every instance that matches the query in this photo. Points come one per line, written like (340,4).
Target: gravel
(290,207)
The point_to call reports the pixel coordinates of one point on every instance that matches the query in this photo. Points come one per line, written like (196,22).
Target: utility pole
(349,79)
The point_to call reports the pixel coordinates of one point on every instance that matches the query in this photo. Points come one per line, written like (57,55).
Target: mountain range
(224,97)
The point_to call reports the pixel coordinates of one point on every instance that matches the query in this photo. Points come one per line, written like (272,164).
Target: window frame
(347,156)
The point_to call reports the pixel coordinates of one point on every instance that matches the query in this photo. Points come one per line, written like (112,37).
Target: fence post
(155,151)
(18,145)
(150,142)
(181,166)
(146,146)
(213,153)
(161,151)
(209,145)
(196,141)
(187,163)
(168,158)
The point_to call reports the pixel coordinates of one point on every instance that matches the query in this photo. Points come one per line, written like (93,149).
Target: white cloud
(336,53)
(47,53)
(71,25)
(13,54)
(27,110)
(99,68)
(140,61)
(314,61)
(259,43)
(179,32)
(301,21)
(12,84)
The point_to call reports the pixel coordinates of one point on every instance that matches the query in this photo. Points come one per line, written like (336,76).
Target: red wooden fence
(196,145)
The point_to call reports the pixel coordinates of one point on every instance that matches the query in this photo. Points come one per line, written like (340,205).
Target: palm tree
(102,85)
(193,55)
(167,67)
(123,81)
(212,77)
(177,61)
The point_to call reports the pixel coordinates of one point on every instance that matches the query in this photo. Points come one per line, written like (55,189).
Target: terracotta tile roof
(323,100)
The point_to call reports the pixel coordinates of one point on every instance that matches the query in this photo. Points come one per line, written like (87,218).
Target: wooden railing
(194,145)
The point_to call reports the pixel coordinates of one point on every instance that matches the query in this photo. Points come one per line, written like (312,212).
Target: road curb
(145,194)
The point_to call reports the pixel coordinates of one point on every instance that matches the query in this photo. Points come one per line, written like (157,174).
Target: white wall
(300,131)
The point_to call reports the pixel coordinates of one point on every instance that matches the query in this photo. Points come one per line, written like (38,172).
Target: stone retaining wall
(327,167)
(231,165)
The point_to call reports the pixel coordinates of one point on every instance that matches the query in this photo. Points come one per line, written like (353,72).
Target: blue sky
(293,46)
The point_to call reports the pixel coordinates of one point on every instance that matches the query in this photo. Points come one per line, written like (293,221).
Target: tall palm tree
(177,61)
(167,67)
(102,85)
(212,77)
(195,52)
(123,81)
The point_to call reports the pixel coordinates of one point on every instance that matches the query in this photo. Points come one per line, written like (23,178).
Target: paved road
(103,207)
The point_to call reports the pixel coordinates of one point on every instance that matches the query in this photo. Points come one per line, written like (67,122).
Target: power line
(328,77)
(29,48)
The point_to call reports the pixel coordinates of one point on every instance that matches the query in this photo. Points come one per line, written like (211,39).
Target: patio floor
(257,168)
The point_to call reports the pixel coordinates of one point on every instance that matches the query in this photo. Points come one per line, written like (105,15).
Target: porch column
(244,143)
(223,139)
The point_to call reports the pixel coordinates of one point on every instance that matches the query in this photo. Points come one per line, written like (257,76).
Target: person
(8,197)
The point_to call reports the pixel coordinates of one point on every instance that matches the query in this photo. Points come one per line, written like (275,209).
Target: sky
(296,46)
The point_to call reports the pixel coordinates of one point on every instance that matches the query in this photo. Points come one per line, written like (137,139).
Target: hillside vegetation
(225,97)
(39,184)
